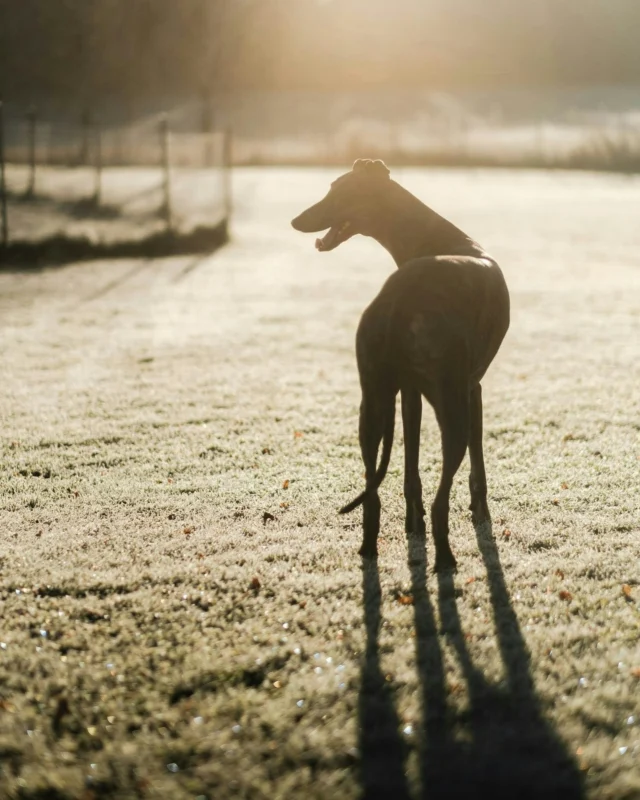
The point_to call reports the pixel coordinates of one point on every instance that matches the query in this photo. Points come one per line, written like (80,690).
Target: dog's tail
(387,444)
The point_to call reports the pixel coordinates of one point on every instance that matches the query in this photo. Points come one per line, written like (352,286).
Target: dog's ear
(371,167)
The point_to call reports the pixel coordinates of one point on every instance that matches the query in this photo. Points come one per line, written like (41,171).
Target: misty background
(324,80)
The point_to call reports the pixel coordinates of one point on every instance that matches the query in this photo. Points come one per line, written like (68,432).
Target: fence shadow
(500,745)
(116,282)
(60,250)
(191,267)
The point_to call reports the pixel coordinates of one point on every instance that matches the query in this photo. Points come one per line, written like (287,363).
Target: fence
(111,184)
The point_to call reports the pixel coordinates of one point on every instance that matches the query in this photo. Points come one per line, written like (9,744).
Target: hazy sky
(147,47)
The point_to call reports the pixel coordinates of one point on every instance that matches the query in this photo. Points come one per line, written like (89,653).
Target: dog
(432,331)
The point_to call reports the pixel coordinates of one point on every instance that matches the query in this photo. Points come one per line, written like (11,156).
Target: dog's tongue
(328,240)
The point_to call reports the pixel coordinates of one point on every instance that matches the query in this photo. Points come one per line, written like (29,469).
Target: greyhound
(432,331)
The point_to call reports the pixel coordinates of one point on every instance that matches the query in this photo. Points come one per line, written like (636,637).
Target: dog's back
(434,310)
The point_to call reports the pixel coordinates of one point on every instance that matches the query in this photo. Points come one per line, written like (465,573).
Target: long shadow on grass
(500,745)
(382,752)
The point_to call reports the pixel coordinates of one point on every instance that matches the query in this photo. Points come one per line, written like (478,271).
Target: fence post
(3,184)
(97,194)
(166,164)
(32,118)
(207,128)
(86,122)
(227,163)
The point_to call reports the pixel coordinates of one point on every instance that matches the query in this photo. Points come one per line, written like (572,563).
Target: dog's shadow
(501,745)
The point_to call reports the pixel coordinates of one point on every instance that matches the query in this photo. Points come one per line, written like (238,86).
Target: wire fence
(110,184)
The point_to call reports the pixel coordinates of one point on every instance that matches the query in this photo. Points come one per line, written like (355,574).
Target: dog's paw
(480,512)
(445,561)
(415,524)
(368,551)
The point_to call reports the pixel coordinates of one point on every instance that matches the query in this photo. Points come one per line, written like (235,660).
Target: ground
(185,615)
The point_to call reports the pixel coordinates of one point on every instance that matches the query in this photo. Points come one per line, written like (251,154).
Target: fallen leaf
(267,451)
(277,685)
(626,591)
(555,502)
(255,583)
(285,485)
(506,533)
(405,599)
(559,573)
(565,595)
(267,517)
(564,485)
(302,604)
(298,434)
(169,480)
(188,530)
(635,672)
(284,505)
(470,580)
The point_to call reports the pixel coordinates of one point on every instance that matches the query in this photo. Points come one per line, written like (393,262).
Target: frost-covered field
(183,612)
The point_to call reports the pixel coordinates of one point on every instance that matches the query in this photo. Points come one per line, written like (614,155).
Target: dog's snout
(314,219)
(297,224)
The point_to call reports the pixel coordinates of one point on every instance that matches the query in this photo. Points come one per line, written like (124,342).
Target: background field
(184,613)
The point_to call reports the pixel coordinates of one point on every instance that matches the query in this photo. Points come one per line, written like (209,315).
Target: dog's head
(349,207)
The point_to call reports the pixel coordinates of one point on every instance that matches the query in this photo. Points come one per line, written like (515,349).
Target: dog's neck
(409,229)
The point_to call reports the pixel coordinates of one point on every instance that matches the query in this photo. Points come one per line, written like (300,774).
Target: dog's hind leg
(452,412)
(377,412)
(477,477)
(411,421)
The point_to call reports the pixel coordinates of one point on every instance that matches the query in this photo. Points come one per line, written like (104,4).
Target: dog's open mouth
(334,237)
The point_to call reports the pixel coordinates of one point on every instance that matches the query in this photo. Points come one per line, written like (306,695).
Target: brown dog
(433,330)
